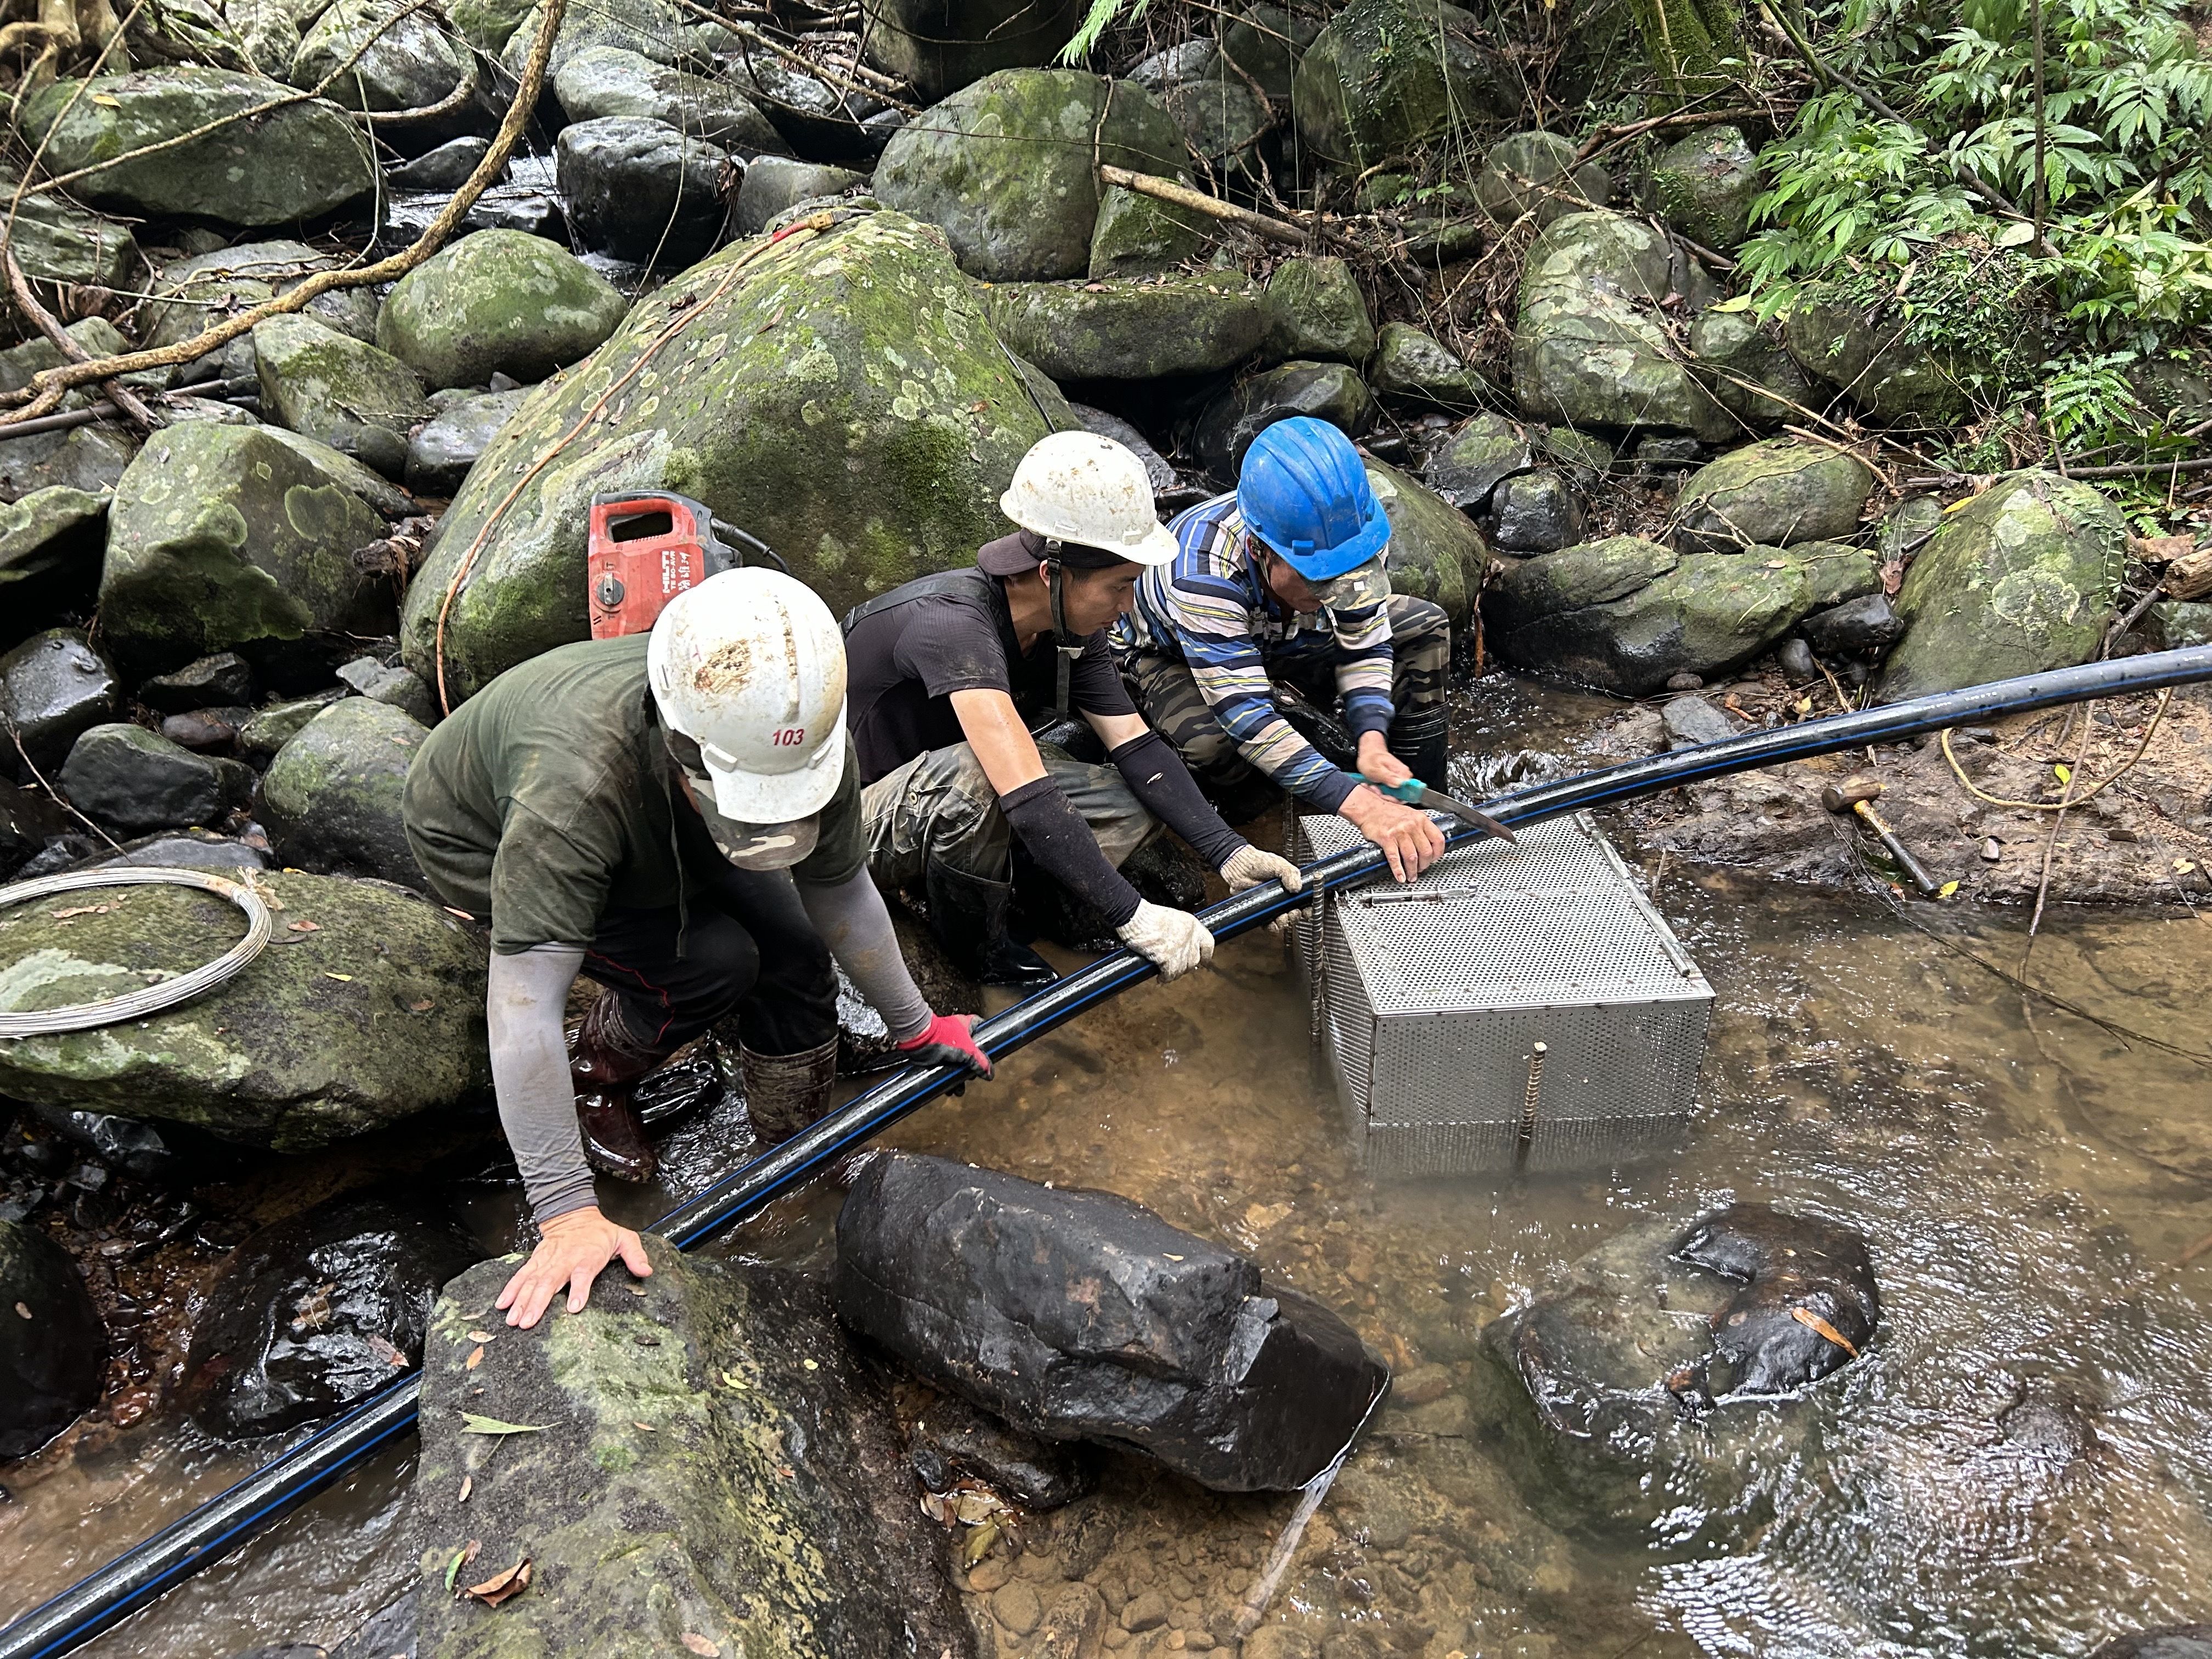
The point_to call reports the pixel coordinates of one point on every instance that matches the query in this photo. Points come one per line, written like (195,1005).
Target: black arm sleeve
(1158,777)
(1061,842)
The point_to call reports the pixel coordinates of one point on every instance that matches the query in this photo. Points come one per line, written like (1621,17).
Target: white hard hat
(750,664)
(1078,487)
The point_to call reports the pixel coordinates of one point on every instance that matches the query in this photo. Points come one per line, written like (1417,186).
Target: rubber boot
(606,1063)
(785,1093)
(968,916)
(1422,738)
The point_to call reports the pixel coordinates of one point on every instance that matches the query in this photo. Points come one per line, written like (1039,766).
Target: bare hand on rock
(573,1250)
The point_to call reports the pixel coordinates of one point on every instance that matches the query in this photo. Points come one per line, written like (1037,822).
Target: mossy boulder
(939,46)
(192,295)
(1479,455)
(1005,166)
(1837,571)
(1222,120)
(616,80)
(298,162)
(47,528)
(487,25)
(2021,579)
(61,245)
(713,1461)
(374,1013)
(1876,364)
(652,29)
(338,391)
(393,56)
(500,301)
(1703,186)
(1316,311)
(268,32)
(1625,615)
(1413,367)
(842,395)
(1138,235)
(1328,392)
(225,538)
(1748,370)
(1265,41)
(1587,350)
(1535,173)
(1131,329)
(330,798)
(1436,552)
(1386,75)
(1773,494)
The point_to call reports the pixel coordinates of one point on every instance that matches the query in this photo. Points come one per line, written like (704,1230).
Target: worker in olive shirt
(698,848)
(949,673)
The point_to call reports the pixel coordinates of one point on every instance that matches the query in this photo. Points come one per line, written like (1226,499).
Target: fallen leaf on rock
(650,1428)
(390,1352)
(503,1586)
(347,978)
(978,1543)
(462,1556)
(80,910)
(480,1336)
(1813,1322)
(1946,890)
(421,1007)
(468,1485)
(475,1359)
(472,1423)
(303,926)
(699,1645)
(22,1310)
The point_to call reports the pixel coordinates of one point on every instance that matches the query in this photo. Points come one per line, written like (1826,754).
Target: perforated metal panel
(1431,999)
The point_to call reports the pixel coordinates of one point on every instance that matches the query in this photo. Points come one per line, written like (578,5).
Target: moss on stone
(1436,553)
(1316,310)
(499,301)
(1386,75)
(1773,494)
(338,390)
(331,797)
(1130,330)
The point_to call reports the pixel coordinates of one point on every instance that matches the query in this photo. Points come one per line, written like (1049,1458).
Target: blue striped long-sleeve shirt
(1210,608)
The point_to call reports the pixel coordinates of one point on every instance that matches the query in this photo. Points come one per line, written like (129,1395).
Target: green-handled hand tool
(1414,793)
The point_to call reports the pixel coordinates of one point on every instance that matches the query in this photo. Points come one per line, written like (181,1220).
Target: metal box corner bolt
(1518,1006)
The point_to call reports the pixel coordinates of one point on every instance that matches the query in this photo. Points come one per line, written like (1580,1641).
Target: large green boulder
(604,81)
(841,396)
(338,391)
(1316,310)
(267,32)
(500,301)
(712,1469)
(227,538)
(1386,75)
(651,29)
(1413,367)
(48,528)
(1773,494)
(1625,615)
(1587,349)
(370,1015)
(1875,361)
(393,56)
(2021,579)
(1436,552)
(487,25)
(330,798)
(1007,166)
(191,296)
(1131,329)
(1536,173)
(1705,186)
(939,46)
(59,244)
(297,160)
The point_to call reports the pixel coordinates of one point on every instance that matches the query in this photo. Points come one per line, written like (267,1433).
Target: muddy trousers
(939,807)
(1172,704)
(748,949)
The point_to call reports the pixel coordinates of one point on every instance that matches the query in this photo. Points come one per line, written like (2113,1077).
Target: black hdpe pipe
(132,1580)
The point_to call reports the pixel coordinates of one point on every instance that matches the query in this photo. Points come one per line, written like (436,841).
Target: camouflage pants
(940,807)
(1167,696)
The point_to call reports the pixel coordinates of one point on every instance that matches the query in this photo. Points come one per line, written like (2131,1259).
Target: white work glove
(1173,941)
(1248,867)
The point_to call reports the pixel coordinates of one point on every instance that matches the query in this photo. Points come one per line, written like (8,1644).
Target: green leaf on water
(471,1424)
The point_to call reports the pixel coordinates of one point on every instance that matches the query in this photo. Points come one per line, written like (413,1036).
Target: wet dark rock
(715,1461)
(1034,1473)
(378,55)
(331,797)
(1861,628)
(1177,1347)
(1264,42)
(169,1154)
(1661,455)
(29,823)
(53,688)
(1158,473)
(53,1348)
(1478,457)
(205,730)
(191,849)
(312,1314)
(776,183)
(135,779)
(939,46)
(223,678)
(1535,512)
(1790,1265)
(1329,392)
(2171,1642)
(390,683)
(641,190)
(445,446)
(447,167)
(1691,720)
(1797,660)
(499,302)
(817,119)
(391,1634)
(608,80)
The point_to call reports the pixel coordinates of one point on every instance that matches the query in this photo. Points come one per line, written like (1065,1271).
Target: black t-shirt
(908,652)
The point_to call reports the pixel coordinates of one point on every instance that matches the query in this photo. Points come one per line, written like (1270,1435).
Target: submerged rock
(1363,94)
(1080,1315)
(331,796)
(826,399)
(54,687)
(338,391)
(367,1007)
(1773,494)
(712,1462)
(498,303)
(954,1438)
(295,161)
(2021,579)
(53,1347)
(2171,1642)
(138,779)
(1808,1306)
(1131,329)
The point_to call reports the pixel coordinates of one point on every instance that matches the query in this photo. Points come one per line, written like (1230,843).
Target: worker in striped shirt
(1274,626)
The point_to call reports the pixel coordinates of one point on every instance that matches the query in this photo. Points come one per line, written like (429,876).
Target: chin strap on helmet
(1068,647)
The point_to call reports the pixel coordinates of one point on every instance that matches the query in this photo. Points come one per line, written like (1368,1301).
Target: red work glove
(947,1040)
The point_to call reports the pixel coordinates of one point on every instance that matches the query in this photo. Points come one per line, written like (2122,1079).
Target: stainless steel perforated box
(1430,999)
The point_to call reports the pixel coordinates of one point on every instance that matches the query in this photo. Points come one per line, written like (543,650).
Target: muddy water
(2019,1465)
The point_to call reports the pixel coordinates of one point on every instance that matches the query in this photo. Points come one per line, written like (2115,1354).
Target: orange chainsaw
(649,547)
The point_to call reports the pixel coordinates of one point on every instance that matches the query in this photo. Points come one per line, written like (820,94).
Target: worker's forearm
(525,994)
(1157,776)
(1065,848)
(851,918)
(1002,744)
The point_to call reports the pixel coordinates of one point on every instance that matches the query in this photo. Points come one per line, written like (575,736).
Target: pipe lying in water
(222,1524)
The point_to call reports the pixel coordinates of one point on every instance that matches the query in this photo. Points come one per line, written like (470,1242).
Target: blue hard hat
(1303,491)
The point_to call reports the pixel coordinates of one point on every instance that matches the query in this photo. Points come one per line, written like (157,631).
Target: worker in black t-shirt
(947,675)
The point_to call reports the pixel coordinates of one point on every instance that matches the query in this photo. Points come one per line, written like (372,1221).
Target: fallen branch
(459,99)
(120,397)
(52,384)
(1621,131)
(1182,196)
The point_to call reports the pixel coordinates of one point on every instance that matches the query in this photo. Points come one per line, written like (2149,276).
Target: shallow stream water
(2021,1464)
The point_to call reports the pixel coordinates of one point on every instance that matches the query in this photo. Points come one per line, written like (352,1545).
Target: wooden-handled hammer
(1857,795)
